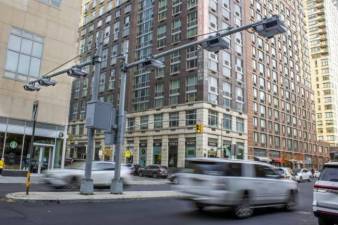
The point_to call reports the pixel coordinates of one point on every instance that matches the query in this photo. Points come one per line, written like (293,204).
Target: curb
(13,197)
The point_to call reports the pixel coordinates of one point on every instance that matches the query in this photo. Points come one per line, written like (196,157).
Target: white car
(70,177)
(285,172)
(325,195)
(303,175)
(241,185)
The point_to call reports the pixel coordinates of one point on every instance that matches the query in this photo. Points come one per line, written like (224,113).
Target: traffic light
(199,128)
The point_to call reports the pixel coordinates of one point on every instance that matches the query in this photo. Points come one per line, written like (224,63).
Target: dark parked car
(154,171)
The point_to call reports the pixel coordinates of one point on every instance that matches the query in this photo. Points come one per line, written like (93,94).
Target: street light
(153,63)
(270,27)
(31,87)
(46,82)
(76,72)
(215,44)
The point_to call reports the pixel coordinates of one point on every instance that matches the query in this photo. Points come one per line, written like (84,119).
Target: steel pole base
(116,187)
(87,187)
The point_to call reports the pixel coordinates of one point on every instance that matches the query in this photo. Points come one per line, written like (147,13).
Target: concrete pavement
(149,212)
(36,179)
(97,197)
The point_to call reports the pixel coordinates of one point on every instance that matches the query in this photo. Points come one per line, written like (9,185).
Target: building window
(191,88)
(175,62)
(161,36)
(162,10)
(144,122)
(24,55)
(213,118)
(192,55)
(240,125)
(176,30)
(192,24)
(227,121)
(190,117)
(173,119)
(158,119)
(174,91)
(131,124)
(55,3)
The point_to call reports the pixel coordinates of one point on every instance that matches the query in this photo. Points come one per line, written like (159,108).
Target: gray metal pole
(117,183)
(87,185)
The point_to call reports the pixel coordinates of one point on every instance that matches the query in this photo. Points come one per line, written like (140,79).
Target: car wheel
(140,174)
(300,179)
(243,209)
(174,181)
(73,183)
(323,221)
(155,175)
(199,206)
(291,201)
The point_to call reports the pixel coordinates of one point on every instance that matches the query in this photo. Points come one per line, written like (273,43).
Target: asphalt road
(148,212)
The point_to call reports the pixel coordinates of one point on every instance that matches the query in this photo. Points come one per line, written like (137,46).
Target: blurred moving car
(303,175)
(238,184)
(154,171)
(325,195)
(285,172)
(316,174)
(70,177)
(173,178)
(135,169)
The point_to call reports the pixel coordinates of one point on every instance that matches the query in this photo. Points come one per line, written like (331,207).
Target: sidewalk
(36,179)
(74,197)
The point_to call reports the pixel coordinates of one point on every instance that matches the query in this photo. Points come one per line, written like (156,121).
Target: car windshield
(214,168)
(76,166)
(280,171)
(329,174)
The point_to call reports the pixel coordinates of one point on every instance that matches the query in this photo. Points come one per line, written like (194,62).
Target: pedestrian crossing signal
(199,128)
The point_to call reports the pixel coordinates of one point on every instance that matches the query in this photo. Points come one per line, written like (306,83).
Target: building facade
(322,28)
(164,106)
(281,113)
(41,36)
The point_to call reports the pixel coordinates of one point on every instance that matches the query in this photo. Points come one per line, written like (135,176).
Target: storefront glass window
(240,151)
(13,151)
(157,152)
(190,148)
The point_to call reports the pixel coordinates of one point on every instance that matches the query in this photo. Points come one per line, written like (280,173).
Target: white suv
(239,184)
(325,195)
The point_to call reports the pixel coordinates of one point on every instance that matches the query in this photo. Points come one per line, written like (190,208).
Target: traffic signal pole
(31,146)
(87,185)
(117,183)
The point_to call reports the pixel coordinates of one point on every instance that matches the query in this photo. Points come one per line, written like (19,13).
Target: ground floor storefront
(167,150)
(293,160)
(15,138)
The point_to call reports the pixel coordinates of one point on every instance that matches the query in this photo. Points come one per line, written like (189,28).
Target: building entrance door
(43,158)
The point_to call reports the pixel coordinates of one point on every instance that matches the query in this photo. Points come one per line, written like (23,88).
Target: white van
(239,184)
(325,195)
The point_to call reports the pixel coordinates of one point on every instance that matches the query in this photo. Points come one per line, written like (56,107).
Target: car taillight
(325,188)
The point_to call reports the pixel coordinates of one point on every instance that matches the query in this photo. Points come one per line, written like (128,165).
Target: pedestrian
(2,165)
